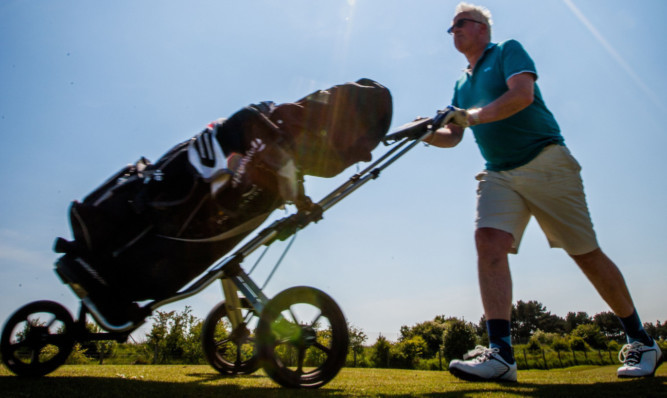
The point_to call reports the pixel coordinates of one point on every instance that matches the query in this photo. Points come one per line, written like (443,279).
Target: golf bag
(153,227)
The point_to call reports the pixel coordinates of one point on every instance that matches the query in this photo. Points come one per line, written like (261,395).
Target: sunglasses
(460,23)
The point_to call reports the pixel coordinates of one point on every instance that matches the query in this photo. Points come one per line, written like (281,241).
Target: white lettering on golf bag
(256,146)
(206,155)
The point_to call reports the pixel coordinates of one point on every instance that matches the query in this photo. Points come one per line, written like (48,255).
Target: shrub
(534,345)
(407,352)
(78,356)
(545,338)
(591,334)
(381,352)
(459,338)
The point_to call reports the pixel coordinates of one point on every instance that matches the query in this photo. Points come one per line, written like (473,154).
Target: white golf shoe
(483,364)
(639,360)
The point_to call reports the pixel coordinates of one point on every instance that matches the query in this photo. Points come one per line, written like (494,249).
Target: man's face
(467,32)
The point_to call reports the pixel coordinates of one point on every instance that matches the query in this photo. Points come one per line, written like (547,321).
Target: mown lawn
(133,381)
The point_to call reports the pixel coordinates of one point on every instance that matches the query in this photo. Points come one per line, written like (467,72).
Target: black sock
(499,337)
(634,329)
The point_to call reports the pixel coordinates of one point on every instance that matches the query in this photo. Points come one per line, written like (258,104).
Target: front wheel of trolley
(230,349)
(302,338)
(37,338)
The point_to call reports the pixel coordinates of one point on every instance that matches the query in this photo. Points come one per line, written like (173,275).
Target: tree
(459,337)
(527,317)
(98,349)
(357,340)
(657,331)
(481,332)
(572,320)
(609,325)
(430,331)
(381,352)
(551,323)
(175,338)
(316,357)
(193,351)
(156,337)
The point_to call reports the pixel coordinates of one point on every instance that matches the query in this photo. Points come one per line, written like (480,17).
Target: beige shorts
(550,188)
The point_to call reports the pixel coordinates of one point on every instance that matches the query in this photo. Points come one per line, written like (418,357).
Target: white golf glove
(461,117)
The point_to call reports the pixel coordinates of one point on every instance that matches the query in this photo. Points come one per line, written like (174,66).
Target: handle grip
(412,130)
(418,127)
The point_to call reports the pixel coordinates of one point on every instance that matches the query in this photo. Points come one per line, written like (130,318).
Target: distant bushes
(541,341)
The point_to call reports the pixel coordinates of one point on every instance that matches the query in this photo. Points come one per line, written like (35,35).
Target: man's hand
(457,116)
(462,117)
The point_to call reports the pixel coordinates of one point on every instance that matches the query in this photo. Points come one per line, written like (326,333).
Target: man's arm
(445,137)
(518,97)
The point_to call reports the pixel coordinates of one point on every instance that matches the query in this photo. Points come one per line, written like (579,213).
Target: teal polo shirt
(515,141)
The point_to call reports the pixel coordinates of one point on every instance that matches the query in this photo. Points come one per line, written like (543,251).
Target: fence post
(546,366)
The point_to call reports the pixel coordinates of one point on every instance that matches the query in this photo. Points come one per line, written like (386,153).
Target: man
(529,172)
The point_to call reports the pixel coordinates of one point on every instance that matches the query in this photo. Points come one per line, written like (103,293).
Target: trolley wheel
(230,351)
(37,338)
(302,338)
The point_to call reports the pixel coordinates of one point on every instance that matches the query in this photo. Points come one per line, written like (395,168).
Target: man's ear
(485,28)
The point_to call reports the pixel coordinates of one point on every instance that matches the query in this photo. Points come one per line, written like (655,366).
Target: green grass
(134,381)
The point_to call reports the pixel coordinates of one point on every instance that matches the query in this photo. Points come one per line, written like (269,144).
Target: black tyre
(37,338)
(230,351)
(302,338)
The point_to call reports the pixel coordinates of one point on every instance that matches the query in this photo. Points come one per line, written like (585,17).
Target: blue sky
(87,87)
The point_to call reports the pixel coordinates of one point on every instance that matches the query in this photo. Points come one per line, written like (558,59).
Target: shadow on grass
(642,387)
(204,385)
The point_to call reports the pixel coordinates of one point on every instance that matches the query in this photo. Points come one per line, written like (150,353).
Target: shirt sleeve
(515,60)
(455,97)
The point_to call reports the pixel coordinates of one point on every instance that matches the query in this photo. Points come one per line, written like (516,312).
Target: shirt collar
(486,50)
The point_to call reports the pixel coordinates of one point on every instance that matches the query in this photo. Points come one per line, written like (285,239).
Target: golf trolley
(299,337)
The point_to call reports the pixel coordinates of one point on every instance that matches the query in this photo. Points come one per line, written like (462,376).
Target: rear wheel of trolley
(230,349)
(37,338)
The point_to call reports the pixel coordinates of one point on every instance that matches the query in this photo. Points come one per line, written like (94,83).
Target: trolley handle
(312,212)
(419,127)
